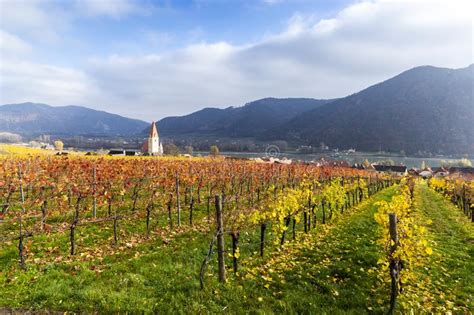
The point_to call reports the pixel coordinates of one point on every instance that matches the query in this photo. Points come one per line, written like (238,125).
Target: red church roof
(153,130)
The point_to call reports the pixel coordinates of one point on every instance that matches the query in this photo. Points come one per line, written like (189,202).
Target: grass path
(331,272)
(447,280)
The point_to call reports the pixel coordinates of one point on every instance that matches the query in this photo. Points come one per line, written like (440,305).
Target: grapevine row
(458,190)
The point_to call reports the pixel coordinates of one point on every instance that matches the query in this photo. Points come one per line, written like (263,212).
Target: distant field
(11,149)
(107,235)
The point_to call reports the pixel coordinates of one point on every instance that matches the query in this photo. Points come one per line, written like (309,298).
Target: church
(153,145)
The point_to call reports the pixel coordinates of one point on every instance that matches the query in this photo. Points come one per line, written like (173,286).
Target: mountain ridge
(36,118)
(248,120)
(422,109)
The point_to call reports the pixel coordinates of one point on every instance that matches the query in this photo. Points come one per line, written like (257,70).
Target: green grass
(447,279)
(329,270)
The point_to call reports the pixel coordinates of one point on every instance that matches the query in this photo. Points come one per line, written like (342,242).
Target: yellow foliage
(412,246)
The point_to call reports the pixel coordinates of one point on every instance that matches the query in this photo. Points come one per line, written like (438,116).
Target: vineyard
(211,235)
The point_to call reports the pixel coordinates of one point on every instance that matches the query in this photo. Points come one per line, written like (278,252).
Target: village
(153,146)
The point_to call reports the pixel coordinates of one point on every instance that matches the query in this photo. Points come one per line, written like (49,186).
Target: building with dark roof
(397,169)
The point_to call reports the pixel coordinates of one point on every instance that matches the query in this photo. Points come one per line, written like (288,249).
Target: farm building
(123,152)
(394,169)
(462,170)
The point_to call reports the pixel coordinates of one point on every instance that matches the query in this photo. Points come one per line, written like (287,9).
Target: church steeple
(153,130)
(153,145)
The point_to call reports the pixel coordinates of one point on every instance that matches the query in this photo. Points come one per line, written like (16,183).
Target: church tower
(153,145)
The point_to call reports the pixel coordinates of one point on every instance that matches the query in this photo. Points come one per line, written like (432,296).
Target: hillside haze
(29,119)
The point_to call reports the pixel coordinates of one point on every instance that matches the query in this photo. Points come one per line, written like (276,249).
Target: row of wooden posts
(461,200)
(220,231)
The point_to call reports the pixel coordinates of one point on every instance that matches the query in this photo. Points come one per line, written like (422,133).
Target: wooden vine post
(191,205)
(94,192)
(44,208)
(74,223)
(263,227)
(235,244)
(220,239)
(21,236)
(170,217)
(178,201)
(394,262)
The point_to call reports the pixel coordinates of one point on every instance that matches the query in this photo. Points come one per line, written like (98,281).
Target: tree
(387,162)
(171,149)
(188,149)
(458,163)
(366,163)
(58,145)
(214,151)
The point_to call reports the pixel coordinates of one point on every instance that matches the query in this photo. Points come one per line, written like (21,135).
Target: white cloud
(363,44)
(40,20)
(46,21)
(23,81)
(112,8)
(12,46)
(271,2)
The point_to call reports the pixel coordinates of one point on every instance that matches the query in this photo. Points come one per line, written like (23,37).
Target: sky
(151,59)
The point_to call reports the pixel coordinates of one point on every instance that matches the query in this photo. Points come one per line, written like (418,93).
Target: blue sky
(150,59)
(151,27)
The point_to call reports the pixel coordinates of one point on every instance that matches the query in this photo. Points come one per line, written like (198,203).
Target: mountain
(251,120)
(423,109)
(30,119)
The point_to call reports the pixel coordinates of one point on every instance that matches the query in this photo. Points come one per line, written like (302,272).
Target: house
(340,164)
(395,169)
(440,171)
(132,152)
(47,146)
(462,170)
(414,172)
(124,152)
(117,152)
(426,174)
(153,145)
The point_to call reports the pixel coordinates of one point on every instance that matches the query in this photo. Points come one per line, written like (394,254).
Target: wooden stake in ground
(94,192)
(394,262)
(20,220)
(178,201)
(170,217)
(220,239)
(235,244)
(73,225)
(263,227)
